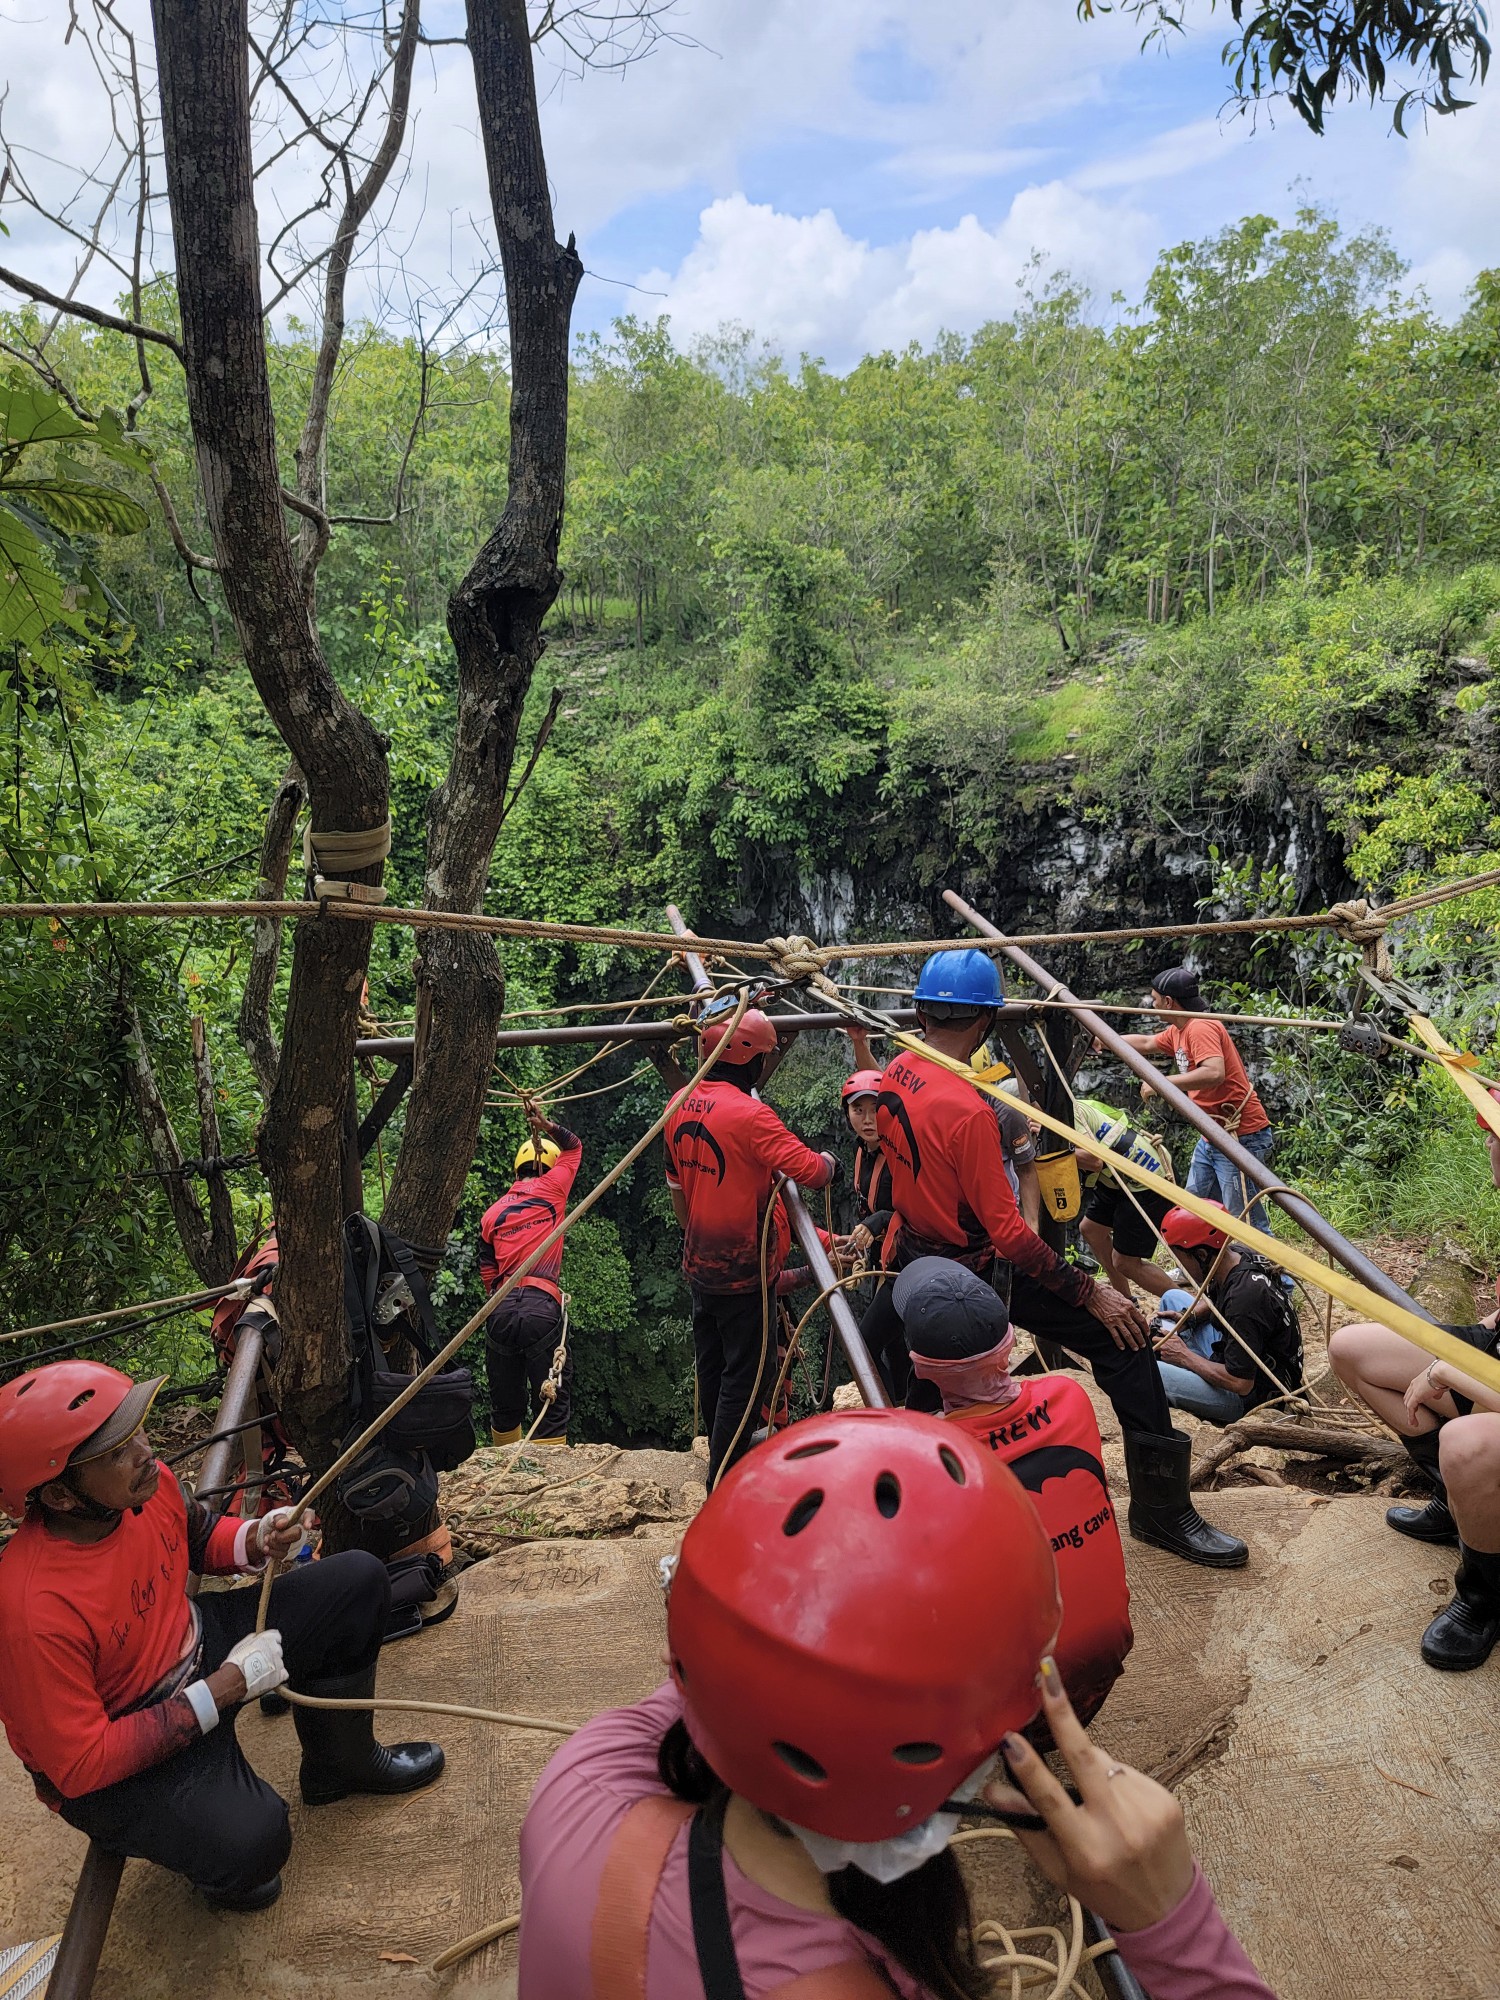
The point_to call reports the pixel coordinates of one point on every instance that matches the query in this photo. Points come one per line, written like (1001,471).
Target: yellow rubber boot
(506,1437)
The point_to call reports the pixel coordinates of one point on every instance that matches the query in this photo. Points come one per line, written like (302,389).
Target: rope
(153,1308)
(522,1270)
(1432,1339)
(1249,1197)
(809,963)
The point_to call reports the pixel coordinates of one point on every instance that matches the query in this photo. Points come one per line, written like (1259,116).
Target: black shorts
(1113,1209)
(1487,1340)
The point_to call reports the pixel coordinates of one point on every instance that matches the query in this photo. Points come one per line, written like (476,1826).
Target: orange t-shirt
(1198,1041)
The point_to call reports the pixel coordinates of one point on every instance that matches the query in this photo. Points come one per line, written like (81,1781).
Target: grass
(1442,1189)
(1075,706)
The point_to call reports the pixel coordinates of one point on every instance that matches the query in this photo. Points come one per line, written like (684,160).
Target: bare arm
(864,1057)
(1180,1355)
(679,1206)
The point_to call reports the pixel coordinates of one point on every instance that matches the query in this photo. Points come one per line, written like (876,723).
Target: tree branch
(313,541)
(257,1036)
(29,289)
(222,1250)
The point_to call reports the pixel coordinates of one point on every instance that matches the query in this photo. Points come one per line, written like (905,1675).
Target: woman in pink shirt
(776,1820)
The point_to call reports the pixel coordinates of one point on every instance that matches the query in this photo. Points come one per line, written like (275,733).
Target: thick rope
(152,1308)
(523,1270)
(795,952)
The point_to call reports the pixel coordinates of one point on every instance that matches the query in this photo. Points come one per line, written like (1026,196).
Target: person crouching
(119,1692)
(1044,1428)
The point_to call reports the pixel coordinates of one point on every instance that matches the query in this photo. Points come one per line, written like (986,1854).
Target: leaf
(398,1958)
(31,591)
(78,507)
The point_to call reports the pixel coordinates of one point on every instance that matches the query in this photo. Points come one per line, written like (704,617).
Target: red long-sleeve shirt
(949,1186)
(98,1638)
(530,1209)
(724,1150)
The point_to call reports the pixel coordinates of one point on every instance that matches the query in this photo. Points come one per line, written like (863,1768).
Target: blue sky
(842,175)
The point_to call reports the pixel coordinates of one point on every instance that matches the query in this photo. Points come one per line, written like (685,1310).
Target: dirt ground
(1344,1800)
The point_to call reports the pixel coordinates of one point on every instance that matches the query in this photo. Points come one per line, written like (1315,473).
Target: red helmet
(1186,1231)
(754,1036)
(796,1686)
(48,1412)
(863,1083)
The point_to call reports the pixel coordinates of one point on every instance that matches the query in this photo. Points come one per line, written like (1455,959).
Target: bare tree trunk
(203,64)
(194,1233)
(495,619)
(256,1033)
(223,1248)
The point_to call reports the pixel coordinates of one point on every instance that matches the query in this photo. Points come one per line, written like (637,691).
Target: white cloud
(804,284)
(1169,154)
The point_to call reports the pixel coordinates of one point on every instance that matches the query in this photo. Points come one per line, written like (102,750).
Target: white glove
(268,1523)
(258,1658)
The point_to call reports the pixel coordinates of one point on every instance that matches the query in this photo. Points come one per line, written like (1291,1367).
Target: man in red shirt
(523,1332)
(1209,1069)
(725,1150)
(1044,1428)
(114,1683)
(953,1199)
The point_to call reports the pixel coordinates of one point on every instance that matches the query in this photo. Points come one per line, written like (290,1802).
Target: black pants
(885,1337)
(520,1340)
(732,1378)
(1127,1375)
(204,1813)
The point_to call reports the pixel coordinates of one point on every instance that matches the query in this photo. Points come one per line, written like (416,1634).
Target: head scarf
(975,1378)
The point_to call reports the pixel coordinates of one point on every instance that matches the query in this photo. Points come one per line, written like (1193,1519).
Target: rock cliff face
(1052,868)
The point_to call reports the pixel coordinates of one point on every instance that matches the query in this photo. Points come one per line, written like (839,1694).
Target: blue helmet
(960,979)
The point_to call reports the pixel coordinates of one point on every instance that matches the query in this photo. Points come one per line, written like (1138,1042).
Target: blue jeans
(1187,1391)
(1198,1334)
(1215,1176)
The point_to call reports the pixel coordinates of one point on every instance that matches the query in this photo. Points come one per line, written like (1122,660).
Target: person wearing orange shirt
(1209,1069)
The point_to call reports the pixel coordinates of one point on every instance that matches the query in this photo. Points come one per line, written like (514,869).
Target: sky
(843,176)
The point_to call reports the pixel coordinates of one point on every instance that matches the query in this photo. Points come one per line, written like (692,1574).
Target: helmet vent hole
(813,1450)
(83,1396)
(888,1495)
(917,1753)
(953,1466)
(803,1512)
(805,1767)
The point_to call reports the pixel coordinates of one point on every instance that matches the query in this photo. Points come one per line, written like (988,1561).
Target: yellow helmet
(541,1152)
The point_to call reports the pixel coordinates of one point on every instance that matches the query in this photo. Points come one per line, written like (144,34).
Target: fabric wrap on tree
(365,849)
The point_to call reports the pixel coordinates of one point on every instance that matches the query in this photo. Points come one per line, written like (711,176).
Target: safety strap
(713,1935)
(627,1888)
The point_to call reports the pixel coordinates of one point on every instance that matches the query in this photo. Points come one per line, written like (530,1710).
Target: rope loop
(803,962)
(365,849)
(1359,922)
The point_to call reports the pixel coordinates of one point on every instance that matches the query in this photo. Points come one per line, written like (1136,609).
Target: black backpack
(387,1302)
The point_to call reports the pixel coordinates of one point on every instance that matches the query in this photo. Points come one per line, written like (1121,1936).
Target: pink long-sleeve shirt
(589,1786)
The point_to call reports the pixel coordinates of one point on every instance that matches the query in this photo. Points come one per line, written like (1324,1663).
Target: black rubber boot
(261,1897)
(1463,1636)
(340,1754)
(1434,1522)
(1161,1503)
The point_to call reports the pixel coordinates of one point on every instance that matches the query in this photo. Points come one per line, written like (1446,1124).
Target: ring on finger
(1115,1771)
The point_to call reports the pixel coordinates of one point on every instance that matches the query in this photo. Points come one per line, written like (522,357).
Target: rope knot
(1359,922)
(803,962)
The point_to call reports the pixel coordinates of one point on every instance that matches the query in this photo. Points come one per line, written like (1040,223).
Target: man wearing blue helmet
(951,1198)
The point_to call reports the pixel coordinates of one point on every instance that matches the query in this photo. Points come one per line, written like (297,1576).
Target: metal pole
(1297,1206)
(237,1404)
(840,1313)
(87,1927)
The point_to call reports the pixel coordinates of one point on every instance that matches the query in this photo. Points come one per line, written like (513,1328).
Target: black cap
(948,1313)
(1179,984)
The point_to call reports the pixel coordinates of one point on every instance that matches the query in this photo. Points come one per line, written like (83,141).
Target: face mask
(889,1860)
(977,1378)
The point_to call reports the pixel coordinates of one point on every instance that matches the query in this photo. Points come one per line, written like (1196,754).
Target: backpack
(387,1302)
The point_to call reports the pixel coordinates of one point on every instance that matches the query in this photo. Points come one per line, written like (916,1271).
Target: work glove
(269,1524)
(258,1658)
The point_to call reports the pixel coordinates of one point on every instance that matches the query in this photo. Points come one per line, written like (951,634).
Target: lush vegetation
(1212,585)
